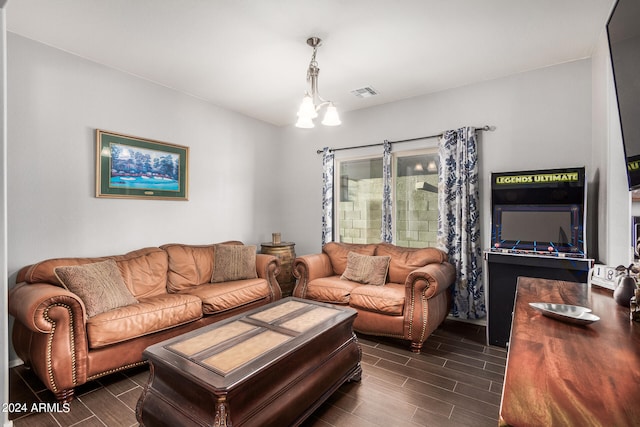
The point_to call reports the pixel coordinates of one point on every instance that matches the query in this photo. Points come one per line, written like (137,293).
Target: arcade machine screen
(550,230)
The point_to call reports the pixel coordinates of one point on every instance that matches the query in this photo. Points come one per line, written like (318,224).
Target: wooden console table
(561,374)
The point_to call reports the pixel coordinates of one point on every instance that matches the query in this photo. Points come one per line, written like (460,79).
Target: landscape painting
(133,167)
(140,168)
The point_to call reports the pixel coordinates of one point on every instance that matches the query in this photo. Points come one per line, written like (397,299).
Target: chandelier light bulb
(331,117)
(304,123)
(307,108)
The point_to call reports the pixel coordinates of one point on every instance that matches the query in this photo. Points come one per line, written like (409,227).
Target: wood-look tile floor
(455,381)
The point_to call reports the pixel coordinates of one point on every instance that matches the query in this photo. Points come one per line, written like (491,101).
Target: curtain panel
(386,232)
(459,219)
(327,195)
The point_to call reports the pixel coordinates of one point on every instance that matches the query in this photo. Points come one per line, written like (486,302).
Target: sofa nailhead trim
(424,318)
(50,345)
(121,368)
(411,310)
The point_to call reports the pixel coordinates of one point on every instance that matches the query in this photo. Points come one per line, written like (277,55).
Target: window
(415,197)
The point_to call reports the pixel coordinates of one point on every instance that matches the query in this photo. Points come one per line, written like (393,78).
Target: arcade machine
(538,230)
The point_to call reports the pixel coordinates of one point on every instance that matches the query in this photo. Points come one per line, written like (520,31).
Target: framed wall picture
(140,168)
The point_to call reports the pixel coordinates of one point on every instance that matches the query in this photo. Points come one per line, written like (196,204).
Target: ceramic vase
(625,290)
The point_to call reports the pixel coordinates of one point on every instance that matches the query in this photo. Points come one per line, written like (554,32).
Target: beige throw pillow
(366,269)
(234,262)
(338,253)
(99,285)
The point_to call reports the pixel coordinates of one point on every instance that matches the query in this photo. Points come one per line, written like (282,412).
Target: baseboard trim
(15,362)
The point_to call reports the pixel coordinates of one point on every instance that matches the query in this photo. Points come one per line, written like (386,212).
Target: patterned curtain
(327,196)
(386,233)
(459,219)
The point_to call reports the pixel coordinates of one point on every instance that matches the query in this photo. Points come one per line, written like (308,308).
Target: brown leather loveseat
(398,292)
(169,291)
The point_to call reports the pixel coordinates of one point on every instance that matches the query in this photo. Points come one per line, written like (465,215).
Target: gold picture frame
(140,168)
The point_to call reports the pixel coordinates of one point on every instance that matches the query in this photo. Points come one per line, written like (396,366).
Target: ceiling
(251,56)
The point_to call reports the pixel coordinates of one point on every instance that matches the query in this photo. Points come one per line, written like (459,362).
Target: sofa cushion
(219,297)
(150,315)
(338,253)
(366,269)
(405,260)
(189,265)
(99,285)
(234,262)
(330,289)
(144,271)
(388,299)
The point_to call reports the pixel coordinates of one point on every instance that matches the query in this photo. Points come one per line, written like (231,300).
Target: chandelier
(312,101)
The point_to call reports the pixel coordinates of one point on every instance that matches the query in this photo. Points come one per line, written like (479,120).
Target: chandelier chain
(313,65)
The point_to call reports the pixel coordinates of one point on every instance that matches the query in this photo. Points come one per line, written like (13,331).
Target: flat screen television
(623,30)
(548,229)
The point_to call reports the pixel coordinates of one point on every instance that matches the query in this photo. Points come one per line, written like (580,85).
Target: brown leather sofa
(53,335)
(412,300)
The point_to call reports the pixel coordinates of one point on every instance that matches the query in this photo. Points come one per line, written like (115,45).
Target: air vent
(364,92)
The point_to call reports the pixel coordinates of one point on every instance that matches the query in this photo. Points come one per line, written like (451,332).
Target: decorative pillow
(338,253)
(365,269)
(99,285)
(234,262)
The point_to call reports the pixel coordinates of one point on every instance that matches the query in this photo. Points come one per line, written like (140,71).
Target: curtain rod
(482,128)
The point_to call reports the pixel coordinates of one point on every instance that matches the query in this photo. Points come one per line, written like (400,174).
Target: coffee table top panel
(225,347)
(272,314)
(211,338)
(245,351)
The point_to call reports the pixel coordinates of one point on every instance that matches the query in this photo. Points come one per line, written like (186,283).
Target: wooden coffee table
(272,366)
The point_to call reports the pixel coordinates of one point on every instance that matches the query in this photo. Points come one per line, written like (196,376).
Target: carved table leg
(222,414)
(357,375)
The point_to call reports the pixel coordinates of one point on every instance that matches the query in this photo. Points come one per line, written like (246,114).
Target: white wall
(542,119)
(57,100)
(613,206)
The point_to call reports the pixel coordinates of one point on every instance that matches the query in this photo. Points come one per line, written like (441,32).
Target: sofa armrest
(309,267)
(268,267)
(428,301)
(30,304)
(431,280)
(49,334)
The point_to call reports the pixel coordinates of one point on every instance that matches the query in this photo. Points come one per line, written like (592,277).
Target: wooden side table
(286,254)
